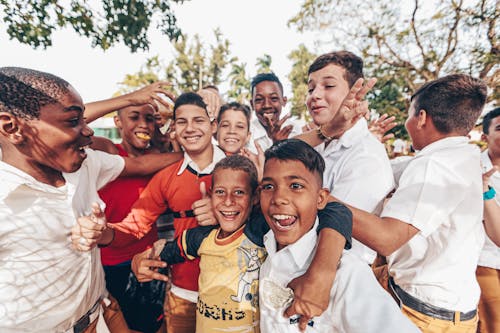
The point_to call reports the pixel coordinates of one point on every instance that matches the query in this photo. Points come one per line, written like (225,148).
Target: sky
(254,28)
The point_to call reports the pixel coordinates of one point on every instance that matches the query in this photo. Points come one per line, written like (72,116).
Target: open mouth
(229,215)
(192,139)
(143,136)
(284,222)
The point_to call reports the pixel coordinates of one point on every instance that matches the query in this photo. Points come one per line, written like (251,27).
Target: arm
(144,95)
(149,163)
(104,144)
(312,290)
(491,217)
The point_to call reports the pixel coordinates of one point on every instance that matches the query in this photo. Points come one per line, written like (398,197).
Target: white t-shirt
(45,285)
(399,146)
(490,256)
(358,304)
(439,193)
(358,172)
(258,132)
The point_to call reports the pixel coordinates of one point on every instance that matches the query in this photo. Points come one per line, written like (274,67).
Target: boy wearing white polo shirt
(431,229)
(488,270)
(291,194)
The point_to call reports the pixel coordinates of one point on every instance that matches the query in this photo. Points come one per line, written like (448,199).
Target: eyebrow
(73,108)
(325,78)
(292,177)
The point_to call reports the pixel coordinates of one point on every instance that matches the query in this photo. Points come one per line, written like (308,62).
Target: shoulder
(104,144)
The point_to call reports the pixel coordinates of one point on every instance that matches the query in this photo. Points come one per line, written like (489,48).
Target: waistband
(428,309)
(88,318)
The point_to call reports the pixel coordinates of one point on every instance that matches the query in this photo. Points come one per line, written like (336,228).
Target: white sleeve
(107,166)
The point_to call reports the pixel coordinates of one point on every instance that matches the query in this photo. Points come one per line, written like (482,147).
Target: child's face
(290,197)
(327,89)
(412,126)
(232,199)
(493,138)
(57,139)
(267,101)
(137,125)
(232,132)
(193,128)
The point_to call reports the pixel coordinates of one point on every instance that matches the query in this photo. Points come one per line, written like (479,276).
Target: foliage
(264,64)
(239,89)
(301,60)
(405,44)
(32,22)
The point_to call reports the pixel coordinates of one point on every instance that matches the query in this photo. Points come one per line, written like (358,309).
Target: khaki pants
(180,314)
(113,317)
(489,303)
(429,324)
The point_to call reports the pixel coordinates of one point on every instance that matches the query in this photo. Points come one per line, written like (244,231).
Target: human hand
(212,100)
(276,133)
(257,159)
(382,125)
(310,299)
(149,94)
(202,208)
(486,177)
(351,110)
(145,266)
(88,230)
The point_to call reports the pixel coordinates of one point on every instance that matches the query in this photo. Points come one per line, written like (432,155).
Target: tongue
(287,222)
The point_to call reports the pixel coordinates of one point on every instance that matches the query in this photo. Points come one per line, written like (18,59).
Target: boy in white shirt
(49,178)
(291,194)
(488,269)
(431,229)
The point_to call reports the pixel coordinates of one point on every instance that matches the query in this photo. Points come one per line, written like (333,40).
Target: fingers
(293,310)
(203,190)
(282,120)
(387,137)
(97,214)
(303,321)
(366,88)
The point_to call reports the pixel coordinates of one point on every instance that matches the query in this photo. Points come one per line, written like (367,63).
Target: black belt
(83,323)
(427,309)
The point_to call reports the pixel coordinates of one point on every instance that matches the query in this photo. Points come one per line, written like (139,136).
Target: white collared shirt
(440,193)
(358,304)
(258,133)
(45,285)
(358,172)
(490,256)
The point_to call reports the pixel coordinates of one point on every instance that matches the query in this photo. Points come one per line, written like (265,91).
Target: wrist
(490,194)
(107,237)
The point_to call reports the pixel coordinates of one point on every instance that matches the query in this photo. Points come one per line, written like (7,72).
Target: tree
(239,89)
(417,43)
(32,22)
(301,60)
(264,64)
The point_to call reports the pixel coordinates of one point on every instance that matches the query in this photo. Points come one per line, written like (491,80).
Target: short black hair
(488,118)
(189,98)
(265,77)
(297,150)
(23,91)
(454,102)
(352,64)
(236,107)
(242,163)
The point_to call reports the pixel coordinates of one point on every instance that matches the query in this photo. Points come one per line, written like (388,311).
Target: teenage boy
(488,270)
(291,194)
(268,101)
(431,229)
(49,178)
(358,170)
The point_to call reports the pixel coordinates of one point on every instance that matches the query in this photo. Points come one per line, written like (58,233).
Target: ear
(422,119)
(251,103)
(10,128)
(249,135)
(323,195)
(484,137)
(214,126)
(118,122)
(285,99)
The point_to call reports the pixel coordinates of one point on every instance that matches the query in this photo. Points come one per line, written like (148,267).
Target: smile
(284,222)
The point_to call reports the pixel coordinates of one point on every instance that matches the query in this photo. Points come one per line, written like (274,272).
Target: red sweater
(177,193)
(119,195)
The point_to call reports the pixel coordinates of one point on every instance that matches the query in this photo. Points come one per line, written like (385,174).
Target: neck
(495,160)
(131,150)
(203,158)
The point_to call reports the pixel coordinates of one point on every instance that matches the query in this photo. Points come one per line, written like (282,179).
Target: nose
(279,197)
(86,130)
(229,200)
(267,103)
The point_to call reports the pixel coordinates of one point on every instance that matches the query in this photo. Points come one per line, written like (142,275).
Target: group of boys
(430,229)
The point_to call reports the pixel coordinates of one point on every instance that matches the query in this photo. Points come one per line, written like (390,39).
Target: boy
(231,255)
(488,270)
(268,101)
(358,171)
(48,179)
(233,127)
(291,194)
(430,229)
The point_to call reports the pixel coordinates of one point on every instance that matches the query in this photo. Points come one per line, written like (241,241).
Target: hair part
(352,64)
(454,102)
(23,91)
(241,163)
(189,98)
(297,150)
(265,77)
(236,107)
(488,118)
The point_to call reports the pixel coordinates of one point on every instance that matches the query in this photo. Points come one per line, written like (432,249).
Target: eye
(219,192)
(224,125)
(275,99)
(330,86)
(258,100)
(239,193)
(296,186)
(266,187)
(74,122)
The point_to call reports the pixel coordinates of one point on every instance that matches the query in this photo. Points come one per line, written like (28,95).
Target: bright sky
(254,28)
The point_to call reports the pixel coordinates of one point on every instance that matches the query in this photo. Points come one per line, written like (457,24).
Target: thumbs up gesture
(90,230)
(202,208)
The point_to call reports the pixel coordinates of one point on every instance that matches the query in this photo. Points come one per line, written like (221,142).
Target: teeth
(143,136)
(282,217)
(84,147)
(229,213)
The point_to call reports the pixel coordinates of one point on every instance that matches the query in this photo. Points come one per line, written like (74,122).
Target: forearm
(492,220)
(326,259)
(95,110)
(107,237)
(149,164)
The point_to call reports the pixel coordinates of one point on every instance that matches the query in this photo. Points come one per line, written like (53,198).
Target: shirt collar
(300,251)
(218,155)
(258,131)
(444,143)
(350,137)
